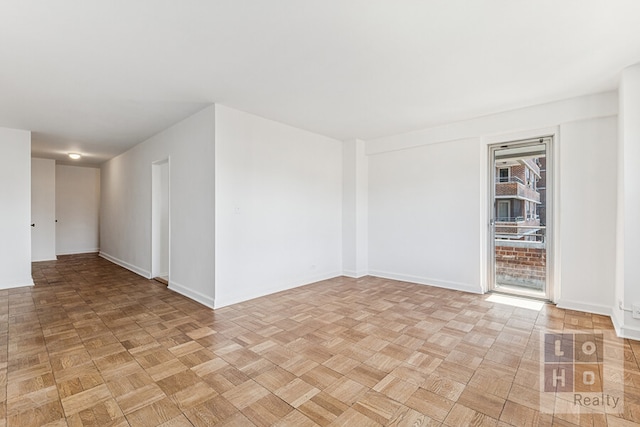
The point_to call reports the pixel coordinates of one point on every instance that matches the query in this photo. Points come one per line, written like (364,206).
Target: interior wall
(77,192)
(588,161)
(427,196)
(160,220)
(125,215)
(15,211)
(278,206)
(43,209)
(355,205)
(423,209)
(628,243)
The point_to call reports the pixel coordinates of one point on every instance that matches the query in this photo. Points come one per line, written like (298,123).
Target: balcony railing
(517,218)
(515,188)
(519,230)
(505,179)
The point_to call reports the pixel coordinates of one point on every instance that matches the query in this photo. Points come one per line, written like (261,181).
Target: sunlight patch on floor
(516,302)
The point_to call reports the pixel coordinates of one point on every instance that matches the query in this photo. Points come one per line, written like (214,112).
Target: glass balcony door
(519,221)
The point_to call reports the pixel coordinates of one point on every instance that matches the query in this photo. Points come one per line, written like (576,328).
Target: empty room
(320,213)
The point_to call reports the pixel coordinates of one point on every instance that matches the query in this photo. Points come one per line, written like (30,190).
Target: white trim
(604,310)
(140,271)
(44,259)
(191,294)
(222,302)
(80,251)
(19,284)
(354,274)
(552,205)
(456,286)
(617,323)
(623,331)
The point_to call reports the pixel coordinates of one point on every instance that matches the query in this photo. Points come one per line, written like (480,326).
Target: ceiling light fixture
(74,156)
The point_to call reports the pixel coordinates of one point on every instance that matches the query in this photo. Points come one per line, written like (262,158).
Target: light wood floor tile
(323,408)
(94,344)
(295,419)
(351,417)
(462,416)
(321,377)
(154,414)
(267,411)
(478,400)
(430,404)
(377,406)
(296,392)
(518,415)
(140,397)
(346,390)
(395,388)
(85,399)
(407,417)
(211,412)
(245,394)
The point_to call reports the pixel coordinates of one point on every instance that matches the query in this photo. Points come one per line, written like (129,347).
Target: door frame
(493,144)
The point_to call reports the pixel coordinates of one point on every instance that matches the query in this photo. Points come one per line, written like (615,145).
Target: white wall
(428,190)
(355,206)
(628,243)
(423,215)
(15,208)
(588,222)
(77,209)
(278,207)
(43,209)
(125,219)
(524,119)
(160,220)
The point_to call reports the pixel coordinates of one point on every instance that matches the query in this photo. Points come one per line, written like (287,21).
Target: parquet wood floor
(94,344)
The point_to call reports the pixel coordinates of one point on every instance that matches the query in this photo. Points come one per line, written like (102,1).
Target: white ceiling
(99,77)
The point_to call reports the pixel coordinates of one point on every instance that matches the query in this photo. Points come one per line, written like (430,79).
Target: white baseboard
(617,321)
(465,287)
(622,330)
(617,316)
(17,283)
(222,301)
(80,251)
(142,272)
(354,274)
(44,259)
(191,294)
(604,310)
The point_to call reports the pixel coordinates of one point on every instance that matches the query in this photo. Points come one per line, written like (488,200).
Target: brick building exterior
(517,199)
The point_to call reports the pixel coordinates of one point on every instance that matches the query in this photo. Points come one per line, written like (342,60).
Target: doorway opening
(160,221)
(520,217)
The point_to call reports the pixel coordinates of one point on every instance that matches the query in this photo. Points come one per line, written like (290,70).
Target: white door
(43,210)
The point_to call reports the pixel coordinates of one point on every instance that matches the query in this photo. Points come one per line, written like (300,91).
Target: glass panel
(520,252)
